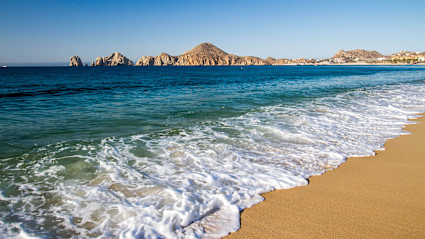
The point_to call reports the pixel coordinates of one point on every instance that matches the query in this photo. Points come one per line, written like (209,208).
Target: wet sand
(381,196)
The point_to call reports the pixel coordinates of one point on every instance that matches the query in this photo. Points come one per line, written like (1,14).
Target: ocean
(178,152)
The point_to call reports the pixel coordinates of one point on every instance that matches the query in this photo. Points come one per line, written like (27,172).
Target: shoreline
(380,196)
(341,64)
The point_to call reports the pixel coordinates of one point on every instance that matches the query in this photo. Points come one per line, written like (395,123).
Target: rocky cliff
(116,59)
(146,61)
(164,60)
(205,54)
(75,61)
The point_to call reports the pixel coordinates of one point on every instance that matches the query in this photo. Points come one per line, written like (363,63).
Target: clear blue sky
(53,31)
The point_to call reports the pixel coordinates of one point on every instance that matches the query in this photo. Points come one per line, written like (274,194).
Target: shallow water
(178,151)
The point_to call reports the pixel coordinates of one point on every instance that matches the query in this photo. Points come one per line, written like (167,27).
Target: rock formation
(164,60)
(75,61)
(146,61)
(116,59)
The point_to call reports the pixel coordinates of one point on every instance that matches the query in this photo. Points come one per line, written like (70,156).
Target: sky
(40,32)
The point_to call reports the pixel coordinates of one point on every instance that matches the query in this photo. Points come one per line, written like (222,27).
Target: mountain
(357,54)
(206,49)
(205,54)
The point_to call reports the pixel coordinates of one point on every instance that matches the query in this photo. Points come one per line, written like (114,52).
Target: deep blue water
(44,105)
(85,147)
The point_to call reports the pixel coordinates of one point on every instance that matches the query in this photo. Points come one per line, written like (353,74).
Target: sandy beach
(381,196)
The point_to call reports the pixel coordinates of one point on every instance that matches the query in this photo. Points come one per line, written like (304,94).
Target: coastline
(374,64)
(15,65)
(206,54)
(378,196)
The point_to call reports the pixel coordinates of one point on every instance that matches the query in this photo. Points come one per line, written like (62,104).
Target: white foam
(23,235)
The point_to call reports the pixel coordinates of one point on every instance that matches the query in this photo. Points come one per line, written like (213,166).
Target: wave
(191,182)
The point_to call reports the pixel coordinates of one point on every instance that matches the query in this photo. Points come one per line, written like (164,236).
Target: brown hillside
(358,54)
(206,49)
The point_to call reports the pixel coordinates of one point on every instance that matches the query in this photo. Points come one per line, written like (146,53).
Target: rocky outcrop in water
(116,59)
(146,61)
(75,61)
(165,60)
(162,60)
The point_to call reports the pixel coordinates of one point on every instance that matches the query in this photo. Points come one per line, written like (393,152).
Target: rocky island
(75,61)
(206,54)
(116,59)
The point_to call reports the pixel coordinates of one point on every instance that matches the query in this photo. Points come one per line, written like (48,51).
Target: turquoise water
(178,151)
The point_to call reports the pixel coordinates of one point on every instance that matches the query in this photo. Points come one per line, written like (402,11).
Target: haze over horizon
(37,32)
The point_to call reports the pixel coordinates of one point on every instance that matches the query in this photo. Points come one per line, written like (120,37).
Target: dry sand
(381,196)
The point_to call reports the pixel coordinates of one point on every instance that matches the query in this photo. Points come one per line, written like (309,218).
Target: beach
(168,119)
(380,196)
